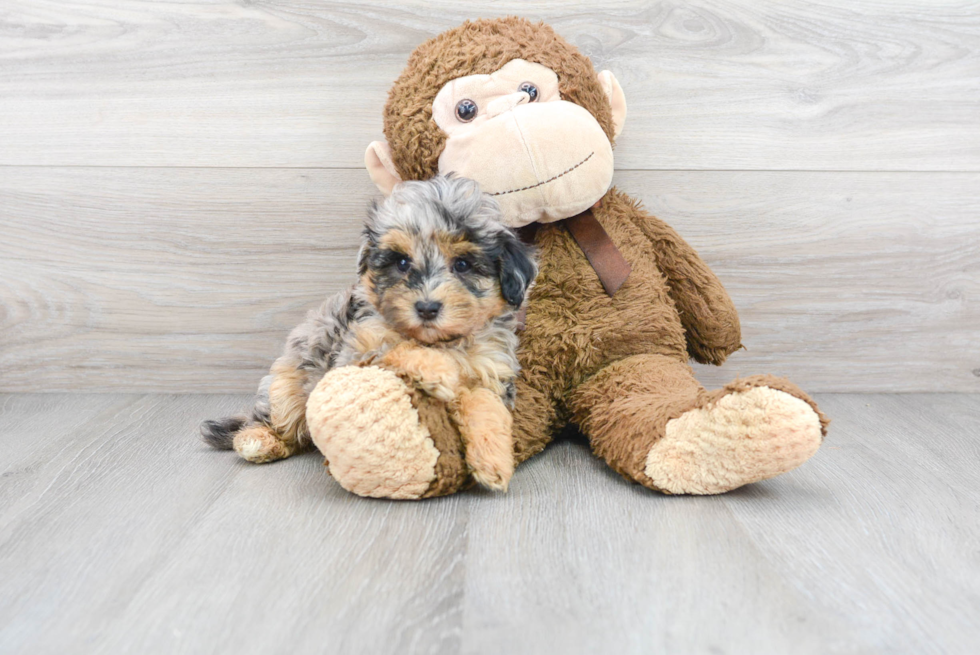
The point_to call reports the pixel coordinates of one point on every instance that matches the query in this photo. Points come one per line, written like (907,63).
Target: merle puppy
(441,281)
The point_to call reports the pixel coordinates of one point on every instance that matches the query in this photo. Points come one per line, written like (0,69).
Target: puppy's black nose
(428,309)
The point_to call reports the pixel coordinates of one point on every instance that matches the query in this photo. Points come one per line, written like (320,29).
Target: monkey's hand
(435,372)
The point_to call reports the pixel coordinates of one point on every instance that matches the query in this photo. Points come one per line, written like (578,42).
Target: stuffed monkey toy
(619,307)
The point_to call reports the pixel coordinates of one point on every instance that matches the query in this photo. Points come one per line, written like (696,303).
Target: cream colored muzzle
(550,160)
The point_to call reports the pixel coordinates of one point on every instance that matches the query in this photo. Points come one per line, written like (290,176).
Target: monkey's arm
(709,317)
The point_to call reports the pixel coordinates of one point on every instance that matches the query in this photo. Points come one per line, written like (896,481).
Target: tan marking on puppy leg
(433,370)
(485,425)
(287,405)
(741,438)
(259,444)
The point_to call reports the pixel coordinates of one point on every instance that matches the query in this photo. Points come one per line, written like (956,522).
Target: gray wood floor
(120,532)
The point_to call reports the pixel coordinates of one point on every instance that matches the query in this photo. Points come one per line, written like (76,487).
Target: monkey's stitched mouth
(550,179)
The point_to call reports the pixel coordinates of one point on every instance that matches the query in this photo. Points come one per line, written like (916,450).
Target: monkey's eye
(461,265)
(466,110)
(403,264)
(529,89)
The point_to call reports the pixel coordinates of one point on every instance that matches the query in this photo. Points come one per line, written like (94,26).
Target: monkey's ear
(616,98)
(382,170)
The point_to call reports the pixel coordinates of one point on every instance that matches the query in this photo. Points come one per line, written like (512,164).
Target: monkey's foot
(741,437)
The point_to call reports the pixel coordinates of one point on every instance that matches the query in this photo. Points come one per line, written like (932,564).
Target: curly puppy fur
(441,280)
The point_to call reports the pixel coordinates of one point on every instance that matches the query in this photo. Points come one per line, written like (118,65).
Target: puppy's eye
(466,110)
(529,89)
(461,265)
(403,264)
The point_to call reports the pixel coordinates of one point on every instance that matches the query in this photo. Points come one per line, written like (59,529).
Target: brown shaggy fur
(574,329)
(451,472)
(633,398)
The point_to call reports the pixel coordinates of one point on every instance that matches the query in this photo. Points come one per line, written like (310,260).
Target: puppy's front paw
(486,425)
(494,475)
(444,391)
(433,370)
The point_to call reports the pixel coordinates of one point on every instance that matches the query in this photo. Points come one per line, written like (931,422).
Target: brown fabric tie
(608,263)
(605,258)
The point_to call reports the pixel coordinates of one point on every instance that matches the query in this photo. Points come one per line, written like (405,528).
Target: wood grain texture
(185,280)
(855,85)
(172,279)
(120,532)
(847,554)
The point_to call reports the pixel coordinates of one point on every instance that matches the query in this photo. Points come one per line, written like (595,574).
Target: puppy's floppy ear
(515,267)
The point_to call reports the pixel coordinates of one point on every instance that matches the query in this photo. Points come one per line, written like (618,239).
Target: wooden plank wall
(179,182)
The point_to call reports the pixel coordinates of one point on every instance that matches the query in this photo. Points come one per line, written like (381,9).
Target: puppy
(441,281)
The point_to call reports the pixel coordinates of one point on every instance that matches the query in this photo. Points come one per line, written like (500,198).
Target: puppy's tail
(221,434)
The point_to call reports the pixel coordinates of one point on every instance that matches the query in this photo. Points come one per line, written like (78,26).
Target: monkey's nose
(428,309)
(499,105)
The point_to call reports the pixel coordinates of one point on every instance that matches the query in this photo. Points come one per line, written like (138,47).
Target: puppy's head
(437,262)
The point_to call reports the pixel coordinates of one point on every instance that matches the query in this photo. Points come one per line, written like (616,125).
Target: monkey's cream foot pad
(741,438)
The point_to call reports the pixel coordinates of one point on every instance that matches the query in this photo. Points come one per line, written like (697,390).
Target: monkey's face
(542,158)
(435,276)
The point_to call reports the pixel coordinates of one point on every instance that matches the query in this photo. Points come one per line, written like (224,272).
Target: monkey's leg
(283,432)
(651,420)
(485,425)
